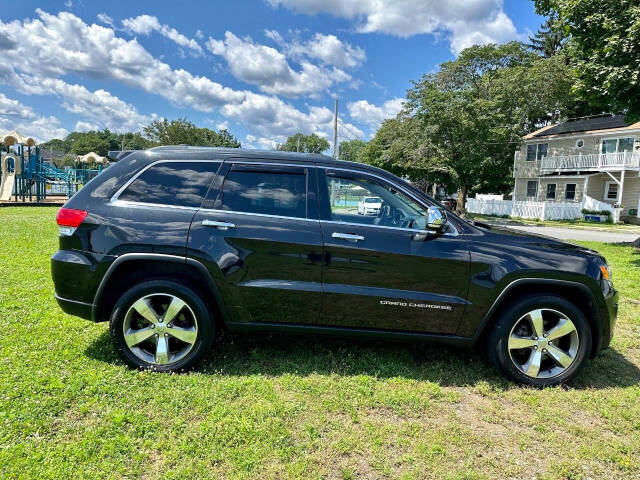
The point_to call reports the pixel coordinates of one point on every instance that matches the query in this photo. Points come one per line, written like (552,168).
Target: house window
(551,191)
(536,151)
(532,188)
(531,152)
(613,145)
(570,191)
(542,150)
(611,191)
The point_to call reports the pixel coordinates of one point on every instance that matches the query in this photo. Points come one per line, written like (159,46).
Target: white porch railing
(591,161)
(539,210)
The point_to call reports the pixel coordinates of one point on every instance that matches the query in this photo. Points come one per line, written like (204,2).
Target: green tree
(182,131)
(349,149)
(461,124)
(603,48)
(89,142)
(548,39)
(304,143)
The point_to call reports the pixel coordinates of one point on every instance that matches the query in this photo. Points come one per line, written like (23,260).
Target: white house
(588,163)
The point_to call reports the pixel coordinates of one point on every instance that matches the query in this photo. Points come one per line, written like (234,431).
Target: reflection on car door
(378,273)
(260,238)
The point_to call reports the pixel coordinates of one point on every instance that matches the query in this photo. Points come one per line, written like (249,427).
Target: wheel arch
(577,293)
(131,268)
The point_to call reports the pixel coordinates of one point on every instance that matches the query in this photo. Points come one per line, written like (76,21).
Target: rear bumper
(74,307)
(75,276)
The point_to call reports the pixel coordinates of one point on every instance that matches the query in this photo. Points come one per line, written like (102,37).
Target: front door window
(360,200)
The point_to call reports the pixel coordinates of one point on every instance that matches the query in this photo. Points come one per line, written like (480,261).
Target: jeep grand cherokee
(172,244)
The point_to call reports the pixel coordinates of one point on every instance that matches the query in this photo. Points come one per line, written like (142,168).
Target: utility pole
(335,130)
(298,147)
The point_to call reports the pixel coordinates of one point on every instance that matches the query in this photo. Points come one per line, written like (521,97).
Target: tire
(145,337)
(517,349)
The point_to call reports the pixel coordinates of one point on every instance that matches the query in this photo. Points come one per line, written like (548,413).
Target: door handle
(347,236)
(217,224)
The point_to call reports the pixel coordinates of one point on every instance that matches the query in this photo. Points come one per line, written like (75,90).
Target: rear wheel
(161,325)
(541,340)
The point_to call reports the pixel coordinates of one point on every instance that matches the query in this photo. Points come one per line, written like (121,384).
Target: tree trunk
(462,200)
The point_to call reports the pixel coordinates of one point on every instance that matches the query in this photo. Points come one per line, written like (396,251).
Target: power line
(349,130)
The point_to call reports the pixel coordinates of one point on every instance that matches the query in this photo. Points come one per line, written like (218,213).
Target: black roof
(585,124)
(185,152)
(245,153)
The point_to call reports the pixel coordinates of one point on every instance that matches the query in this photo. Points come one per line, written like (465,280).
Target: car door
(259,235)
(385,271)
(152,212)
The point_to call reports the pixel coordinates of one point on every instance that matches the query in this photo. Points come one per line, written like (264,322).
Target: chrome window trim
(116,195)
(412,230)
(128,203)
(234,212)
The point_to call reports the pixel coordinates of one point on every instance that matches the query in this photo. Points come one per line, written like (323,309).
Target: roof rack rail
(119,154)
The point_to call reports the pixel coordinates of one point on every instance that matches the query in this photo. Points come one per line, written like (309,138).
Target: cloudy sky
(264,69)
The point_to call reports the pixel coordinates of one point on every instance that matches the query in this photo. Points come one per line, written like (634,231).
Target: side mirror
(436,218)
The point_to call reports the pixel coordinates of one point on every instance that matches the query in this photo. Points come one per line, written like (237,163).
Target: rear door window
(172,183)
(266,191)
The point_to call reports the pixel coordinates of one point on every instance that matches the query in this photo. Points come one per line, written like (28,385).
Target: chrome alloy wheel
(543,343)
(160,328)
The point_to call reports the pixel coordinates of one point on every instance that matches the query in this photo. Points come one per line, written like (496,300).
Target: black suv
(173,244)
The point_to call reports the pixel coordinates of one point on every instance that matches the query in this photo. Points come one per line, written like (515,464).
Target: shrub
(585,211)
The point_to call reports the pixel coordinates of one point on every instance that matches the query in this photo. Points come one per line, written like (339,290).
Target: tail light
(69,219)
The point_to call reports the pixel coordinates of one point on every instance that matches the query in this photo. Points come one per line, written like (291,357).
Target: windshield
(372,200)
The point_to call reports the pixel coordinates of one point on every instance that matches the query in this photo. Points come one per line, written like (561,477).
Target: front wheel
(541,340)
(161,325)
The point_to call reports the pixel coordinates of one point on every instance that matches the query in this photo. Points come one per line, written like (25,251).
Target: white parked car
(369,206)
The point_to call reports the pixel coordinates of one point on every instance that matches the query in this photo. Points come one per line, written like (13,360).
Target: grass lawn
(275,407)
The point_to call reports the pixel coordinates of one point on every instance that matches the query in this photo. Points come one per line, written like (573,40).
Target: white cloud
(38,53)
(331,50)
(464,21)
(106,19)
(13,108)
(146,24)
(372,115)
(269,69)
(326,48)
(16,116)
(57,45)
(274,119)
(103,109)
(262,143)
(83,126)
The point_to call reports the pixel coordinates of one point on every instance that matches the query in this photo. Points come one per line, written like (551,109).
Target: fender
(565,283)
(213,287)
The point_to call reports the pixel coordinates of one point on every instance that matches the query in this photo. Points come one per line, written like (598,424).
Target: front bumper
(612,315)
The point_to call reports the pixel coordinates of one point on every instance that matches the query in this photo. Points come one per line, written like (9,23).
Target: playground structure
(25,177)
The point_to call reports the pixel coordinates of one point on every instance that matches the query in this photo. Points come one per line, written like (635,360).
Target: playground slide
(7,186)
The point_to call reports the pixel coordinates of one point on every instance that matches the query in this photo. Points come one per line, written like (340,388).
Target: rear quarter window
(172,183)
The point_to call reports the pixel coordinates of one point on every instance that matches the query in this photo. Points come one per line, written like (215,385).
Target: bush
(584,211)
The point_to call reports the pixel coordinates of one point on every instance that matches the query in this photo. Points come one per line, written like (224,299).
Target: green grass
(276,407)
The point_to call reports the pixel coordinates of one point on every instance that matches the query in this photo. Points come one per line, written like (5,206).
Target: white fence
(537,210)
